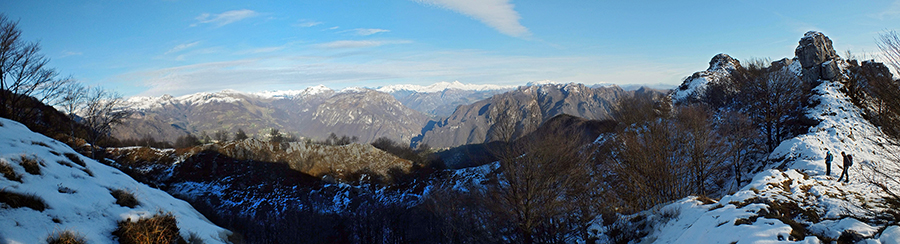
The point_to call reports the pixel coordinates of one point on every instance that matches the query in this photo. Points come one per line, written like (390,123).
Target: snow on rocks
(720,67)
(792,200)
(76,192)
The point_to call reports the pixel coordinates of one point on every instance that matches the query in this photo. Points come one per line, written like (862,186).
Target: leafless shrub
(161,228)
(66,237)
(75,159)
(18,200)
(124,198)
(30,164)
(9,173)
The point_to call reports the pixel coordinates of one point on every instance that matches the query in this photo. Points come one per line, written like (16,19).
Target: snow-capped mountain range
(231,96)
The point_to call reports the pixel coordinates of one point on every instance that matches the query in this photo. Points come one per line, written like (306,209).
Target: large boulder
(817,56)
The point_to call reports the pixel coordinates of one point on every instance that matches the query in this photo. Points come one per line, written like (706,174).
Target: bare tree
(221,135)
(741,136)
(889,43)
(703,146)
(546,187)
(773,98)
(23,72)
(102,111)
(503,122)
(240,135)
(72,101)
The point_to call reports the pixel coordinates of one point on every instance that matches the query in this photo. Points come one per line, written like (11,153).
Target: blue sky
(155,47)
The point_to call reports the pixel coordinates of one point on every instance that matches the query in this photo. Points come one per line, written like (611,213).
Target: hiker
(848,161)
(828,158)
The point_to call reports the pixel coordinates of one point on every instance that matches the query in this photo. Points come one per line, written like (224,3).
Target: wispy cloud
(224,18)
(69,53)
(367,32)
(261,50)
(297,72)
(358,44)
(307,23)
(889,13)
(498,14)
(334,27)
(182,47)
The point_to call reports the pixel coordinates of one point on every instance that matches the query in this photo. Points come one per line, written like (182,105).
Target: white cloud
(497,14)
(366,32)
(358,44)
(262,50)
(890,12)
(224,18)
(297,72)
(70,53)
(308,23)
(182,47)
(334,28)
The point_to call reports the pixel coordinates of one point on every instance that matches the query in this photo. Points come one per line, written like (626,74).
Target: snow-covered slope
(77,197)
(794,200)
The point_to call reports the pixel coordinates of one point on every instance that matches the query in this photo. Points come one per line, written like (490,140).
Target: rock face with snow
(442,98)
(75,192)
(720,68)
(817,57)
(367,114)
(527,107)
(314,113)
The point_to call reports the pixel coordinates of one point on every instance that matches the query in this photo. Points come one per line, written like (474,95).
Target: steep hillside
(314,112)
(525,108)
(48,188)
(566,125)
(287,192)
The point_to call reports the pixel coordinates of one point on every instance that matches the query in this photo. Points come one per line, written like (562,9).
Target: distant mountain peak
(441,86)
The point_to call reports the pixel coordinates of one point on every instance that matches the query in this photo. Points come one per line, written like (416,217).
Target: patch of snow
(354,90)
(890,235)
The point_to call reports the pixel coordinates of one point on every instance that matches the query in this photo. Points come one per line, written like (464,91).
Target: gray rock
(830,70)
(723,61)
(814,49)
(817,57)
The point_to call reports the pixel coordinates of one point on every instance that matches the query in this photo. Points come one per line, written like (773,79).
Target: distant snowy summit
(233,96)
(442,86)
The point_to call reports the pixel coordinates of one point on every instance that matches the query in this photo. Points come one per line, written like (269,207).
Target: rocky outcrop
(720,68)
(817,57)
